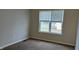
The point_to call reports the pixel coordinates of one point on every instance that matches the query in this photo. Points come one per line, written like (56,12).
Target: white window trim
(53,21)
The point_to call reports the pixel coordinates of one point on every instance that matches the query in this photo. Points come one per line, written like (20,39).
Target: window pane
(57,15)
(56,27)
(45,15)
(51,21)
(44,26)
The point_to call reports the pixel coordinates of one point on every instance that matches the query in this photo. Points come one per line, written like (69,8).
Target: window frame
(50,22)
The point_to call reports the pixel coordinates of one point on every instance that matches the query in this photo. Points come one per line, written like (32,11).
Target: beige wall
(13,26)
(69,28)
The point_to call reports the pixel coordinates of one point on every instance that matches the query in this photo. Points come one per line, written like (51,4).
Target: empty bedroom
(39,29)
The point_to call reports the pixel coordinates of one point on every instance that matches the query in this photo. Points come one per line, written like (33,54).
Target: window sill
(51,33)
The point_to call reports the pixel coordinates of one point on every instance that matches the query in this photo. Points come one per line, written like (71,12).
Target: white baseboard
(12,43)
(54,41)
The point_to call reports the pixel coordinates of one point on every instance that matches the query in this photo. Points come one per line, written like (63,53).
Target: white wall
(13,26)
(69,28)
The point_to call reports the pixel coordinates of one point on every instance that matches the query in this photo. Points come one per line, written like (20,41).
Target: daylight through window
(51,21)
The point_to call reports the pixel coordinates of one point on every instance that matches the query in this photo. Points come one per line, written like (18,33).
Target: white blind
(45,15)
(57,15)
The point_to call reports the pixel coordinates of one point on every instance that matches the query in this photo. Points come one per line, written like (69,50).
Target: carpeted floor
(32,44)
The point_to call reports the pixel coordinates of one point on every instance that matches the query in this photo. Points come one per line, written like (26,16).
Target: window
(51,21)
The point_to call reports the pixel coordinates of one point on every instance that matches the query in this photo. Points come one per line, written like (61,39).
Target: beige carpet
(32,44)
